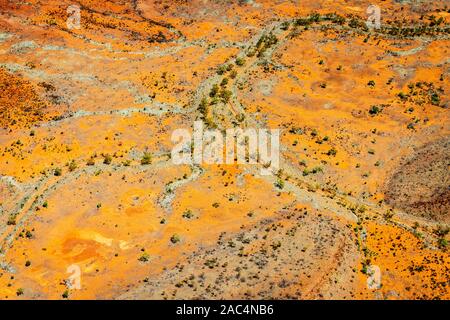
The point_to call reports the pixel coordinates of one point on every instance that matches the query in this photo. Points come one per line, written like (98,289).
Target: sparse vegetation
(332,85)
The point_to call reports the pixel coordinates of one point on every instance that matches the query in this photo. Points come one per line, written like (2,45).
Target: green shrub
(11,220)
(57,172)
(226,95)
(374,110)
(146,158)
(279,184)
(214,91)
(222,69)
(145,257)
(224,82)
(316,170)
(402,96)
(175,238)
(442,243)
(240,61)
(435,99)
(188,214)
(285,25)
(332,152)
(442,231)
(72,165)
(107,159)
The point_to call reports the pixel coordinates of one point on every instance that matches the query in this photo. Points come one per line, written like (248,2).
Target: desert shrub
(224,82)
(107,159)
(279,184)
(145,257)
(175,238)
(411,126)
(435,99)
(389,214)
(265,42)
(442,231)
(374,110)
(57,172)
(442,243)
(221,69)
(240,61)
(146,158)
(316,170)
(211,263)
(402,96)
(226,95)
(285,25)
(188,214)
(332,152)
(357,24)
(214,91)
(72,165)
(203,107)
(11,220)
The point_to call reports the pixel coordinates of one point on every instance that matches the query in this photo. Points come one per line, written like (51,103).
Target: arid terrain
(360,205)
